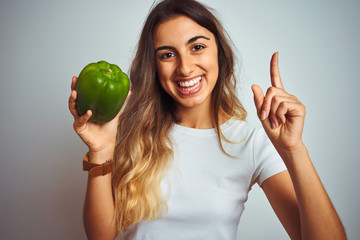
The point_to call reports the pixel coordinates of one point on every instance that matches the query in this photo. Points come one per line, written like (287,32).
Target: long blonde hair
(144,149)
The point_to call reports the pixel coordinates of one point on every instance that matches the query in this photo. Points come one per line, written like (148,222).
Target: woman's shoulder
(236,125)
(235,128)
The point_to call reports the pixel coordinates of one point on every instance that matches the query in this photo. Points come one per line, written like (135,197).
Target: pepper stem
(109,70)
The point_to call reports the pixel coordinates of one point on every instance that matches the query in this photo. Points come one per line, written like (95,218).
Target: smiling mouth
(188,86)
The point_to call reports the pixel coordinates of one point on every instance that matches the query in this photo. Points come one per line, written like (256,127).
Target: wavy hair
(144,150)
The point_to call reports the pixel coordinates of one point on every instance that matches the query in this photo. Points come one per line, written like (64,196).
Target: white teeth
(190,85)
(191,88)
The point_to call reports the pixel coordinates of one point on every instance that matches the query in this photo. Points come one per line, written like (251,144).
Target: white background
(44,43)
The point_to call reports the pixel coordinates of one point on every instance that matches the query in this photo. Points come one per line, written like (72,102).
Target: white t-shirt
(207,189)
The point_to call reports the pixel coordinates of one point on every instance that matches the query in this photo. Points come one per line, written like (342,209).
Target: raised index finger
(274,71)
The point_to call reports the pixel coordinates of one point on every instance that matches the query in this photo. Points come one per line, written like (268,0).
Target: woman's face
(187,61)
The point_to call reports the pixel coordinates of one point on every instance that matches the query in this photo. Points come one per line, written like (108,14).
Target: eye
(167,55)
(198,47)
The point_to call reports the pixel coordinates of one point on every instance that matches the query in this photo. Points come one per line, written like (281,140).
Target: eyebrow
(191,40)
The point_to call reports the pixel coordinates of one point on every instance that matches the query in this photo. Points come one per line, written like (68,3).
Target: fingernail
(273,125)
(263,115)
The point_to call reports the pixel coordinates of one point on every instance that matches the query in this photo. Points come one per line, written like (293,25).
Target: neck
(200,117)
(196,117)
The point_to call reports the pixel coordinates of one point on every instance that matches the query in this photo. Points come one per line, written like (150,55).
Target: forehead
(178,29)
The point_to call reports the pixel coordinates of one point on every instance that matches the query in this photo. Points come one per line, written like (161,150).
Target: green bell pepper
(101,87)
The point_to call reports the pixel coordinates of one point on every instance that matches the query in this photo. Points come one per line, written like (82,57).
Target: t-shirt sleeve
(267,161)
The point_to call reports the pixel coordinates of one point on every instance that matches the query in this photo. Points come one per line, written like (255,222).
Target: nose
(185,66)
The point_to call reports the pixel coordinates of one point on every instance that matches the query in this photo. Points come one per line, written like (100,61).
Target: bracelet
(97,169)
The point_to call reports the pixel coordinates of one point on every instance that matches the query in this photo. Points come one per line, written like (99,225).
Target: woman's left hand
(281,114)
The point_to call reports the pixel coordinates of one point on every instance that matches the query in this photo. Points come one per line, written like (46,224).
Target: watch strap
(97,169)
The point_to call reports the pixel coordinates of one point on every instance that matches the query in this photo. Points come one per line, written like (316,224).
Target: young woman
(185,159)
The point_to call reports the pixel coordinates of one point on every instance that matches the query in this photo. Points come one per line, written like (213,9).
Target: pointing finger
(275,72)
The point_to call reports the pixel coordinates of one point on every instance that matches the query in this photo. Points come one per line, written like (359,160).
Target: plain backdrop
(44,43)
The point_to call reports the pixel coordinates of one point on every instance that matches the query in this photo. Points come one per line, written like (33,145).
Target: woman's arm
(300,200)
(99,203)
(297,196)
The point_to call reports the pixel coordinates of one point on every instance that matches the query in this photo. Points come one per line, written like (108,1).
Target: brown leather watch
(97,169)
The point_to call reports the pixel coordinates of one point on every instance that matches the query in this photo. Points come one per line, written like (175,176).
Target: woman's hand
(100,138)
(281,114)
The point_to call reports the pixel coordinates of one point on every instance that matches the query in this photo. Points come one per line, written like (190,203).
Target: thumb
(258,98)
